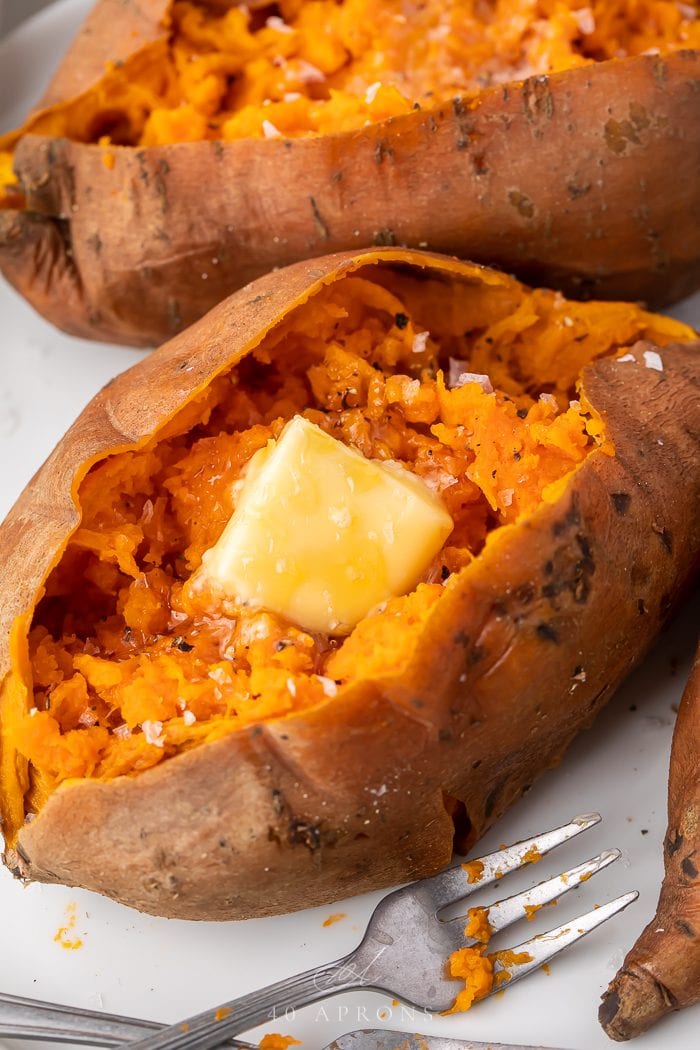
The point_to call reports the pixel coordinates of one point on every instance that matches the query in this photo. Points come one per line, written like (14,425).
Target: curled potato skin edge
(465,178)
(486,705)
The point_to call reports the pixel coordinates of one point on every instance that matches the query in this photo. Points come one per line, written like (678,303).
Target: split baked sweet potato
(661,972)
(200,755)
(186,148)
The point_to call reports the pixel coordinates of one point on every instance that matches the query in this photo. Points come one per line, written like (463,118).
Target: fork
(406,946)
(35,1019)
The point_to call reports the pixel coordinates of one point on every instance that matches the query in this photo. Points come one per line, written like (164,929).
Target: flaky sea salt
(458,376)
(627,357)
(371,92)
(420,341)
(291,686)
(270,131)
(309,74)
(585,19)
(253,630)
(328,685)
(153,732)
(653,360)
(189,718)
(275,22)
(549,399)
(506,496)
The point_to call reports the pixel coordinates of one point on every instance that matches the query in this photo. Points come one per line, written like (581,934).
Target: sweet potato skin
(112,31)
(269,819)
(661,973)
(563,180)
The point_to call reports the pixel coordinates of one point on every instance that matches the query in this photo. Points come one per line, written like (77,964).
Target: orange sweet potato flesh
(661,972)
(359,790)
(561,178)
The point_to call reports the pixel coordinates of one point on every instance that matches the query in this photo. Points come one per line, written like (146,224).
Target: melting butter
(321,534)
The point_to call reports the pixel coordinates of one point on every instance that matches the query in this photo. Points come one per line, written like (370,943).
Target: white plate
(163,969)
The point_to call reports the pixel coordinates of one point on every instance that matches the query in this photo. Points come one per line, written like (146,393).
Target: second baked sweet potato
(557,140)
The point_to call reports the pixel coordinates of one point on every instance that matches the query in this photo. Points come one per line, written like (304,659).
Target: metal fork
(34,1019)
(406,945)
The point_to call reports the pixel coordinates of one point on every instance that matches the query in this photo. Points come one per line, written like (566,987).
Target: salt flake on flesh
(627,357)
(189,718)
(328,685)
(291,686)
(153,732)
(420,340)
(87,718)
(585,20)
(457,376)
(270,131)
(371,92)
(653,360)
(549,399)
(275,22)
(506,496)
(309,74)
(122,732)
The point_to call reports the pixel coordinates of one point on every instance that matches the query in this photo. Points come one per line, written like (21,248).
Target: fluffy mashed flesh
(470,388)
(314,67)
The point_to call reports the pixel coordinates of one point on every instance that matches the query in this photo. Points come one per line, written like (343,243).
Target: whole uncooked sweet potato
(219,761)
(181,152)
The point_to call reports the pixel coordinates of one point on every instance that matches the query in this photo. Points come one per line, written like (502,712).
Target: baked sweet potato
(217,760)
(181,152)
(662,971)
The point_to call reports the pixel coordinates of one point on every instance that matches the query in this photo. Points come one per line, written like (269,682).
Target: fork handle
(33,1019)
(210,1028)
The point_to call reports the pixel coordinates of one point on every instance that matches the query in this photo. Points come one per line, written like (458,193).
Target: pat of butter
(321,535)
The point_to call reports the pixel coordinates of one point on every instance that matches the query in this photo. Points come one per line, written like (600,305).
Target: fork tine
(507,911)
(453,885)
(545,946)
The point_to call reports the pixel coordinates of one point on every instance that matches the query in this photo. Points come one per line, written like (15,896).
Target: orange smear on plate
(335,917)
(62,935)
